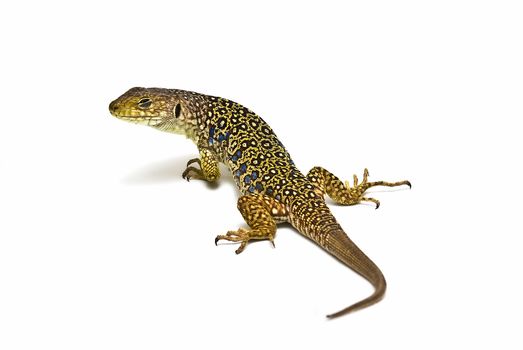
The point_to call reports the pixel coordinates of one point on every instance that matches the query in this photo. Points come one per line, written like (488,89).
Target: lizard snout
(113,107)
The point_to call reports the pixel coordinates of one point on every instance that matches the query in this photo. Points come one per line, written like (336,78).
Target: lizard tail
(341,246)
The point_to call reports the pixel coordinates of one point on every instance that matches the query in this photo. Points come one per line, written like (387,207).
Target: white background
(104,246)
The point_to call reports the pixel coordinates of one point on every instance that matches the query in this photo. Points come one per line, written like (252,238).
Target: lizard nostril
(113,107)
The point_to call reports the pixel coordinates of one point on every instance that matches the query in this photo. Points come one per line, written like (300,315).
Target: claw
(190,168)
(373,200)
(194,160)
(234,236)
(241,248)
(186,174)
(365,175)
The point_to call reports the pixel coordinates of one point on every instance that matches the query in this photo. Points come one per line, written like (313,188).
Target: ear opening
(177,110)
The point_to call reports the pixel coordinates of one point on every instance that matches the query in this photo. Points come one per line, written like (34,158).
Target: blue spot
(211,134)
(269,190)
(254,175)
(238,173)
(227,135)
(278,197)
(234,158)
(259,187)
(247,179)
(239,153)
(251,189)
(243,168)
(221,137)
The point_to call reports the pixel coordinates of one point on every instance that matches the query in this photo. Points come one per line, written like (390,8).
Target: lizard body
(272,189)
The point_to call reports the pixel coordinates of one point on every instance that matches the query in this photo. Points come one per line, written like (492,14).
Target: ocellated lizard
(272,189)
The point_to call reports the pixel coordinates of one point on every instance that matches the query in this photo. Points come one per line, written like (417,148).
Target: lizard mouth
(150,121)
(133,116)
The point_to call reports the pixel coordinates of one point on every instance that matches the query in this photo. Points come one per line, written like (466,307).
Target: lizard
(272,189)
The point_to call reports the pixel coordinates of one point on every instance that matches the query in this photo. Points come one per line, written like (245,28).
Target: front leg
(208,170)
(327,183)
(260,212)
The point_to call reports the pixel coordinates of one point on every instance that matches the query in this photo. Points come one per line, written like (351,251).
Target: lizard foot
(192,172)
(356,192)
(243,236)
(207,168)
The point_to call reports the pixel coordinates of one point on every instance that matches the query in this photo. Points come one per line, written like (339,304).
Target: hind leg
(327,183)
(260,212)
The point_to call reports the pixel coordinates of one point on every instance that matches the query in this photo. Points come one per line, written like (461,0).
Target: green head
(163,109)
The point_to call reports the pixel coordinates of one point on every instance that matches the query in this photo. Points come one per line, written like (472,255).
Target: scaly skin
(273,189)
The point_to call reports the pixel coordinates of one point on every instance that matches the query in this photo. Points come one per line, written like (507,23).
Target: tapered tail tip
(342,312)
(334,315)
(378,294)
(358,306)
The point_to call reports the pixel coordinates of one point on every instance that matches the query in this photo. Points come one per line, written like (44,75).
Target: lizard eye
(177,110)
(145,103)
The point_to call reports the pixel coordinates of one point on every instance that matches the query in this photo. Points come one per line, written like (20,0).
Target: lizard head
(159,108)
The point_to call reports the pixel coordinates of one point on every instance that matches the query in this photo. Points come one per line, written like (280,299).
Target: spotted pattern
(260,164)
